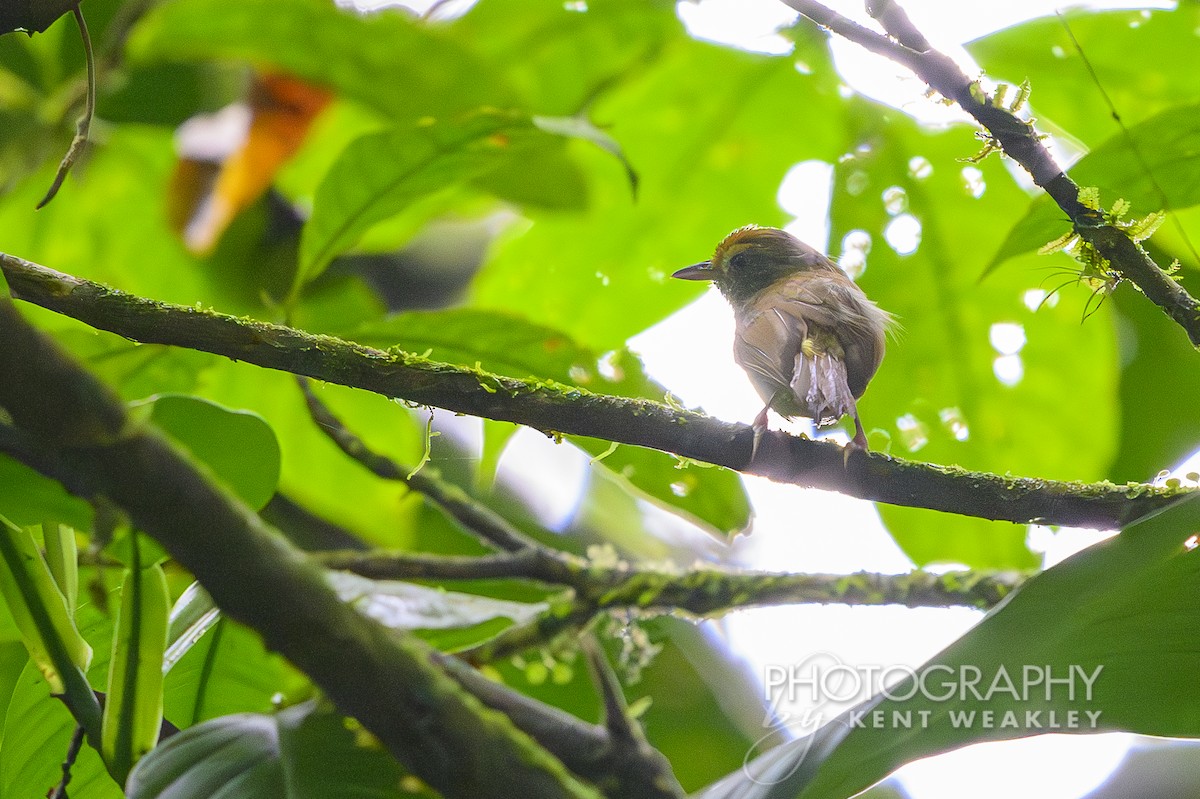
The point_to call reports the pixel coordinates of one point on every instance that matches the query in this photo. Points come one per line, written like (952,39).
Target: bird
(806,335)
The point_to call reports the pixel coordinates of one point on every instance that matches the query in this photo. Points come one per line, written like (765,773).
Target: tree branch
(565,409)
(706,592)
(906,46)
(479,520)
(385,679)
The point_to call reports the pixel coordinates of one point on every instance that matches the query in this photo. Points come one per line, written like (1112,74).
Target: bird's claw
(859,442)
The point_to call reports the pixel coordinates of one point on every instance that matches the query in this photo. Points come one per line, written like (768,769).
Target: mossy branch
(1018,139)
(696,592)
(79,432)
(554,408)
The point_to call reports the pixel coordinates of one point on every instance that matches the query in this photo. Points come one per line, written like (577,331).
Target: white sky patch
(1045,767)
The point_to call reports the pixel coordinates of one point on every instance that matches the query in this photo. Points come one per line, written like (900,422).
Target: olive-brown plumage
(807,336)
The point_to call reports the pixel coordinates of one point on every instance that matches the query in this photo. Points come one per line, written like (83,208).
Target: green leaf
(27,497)
(1153,352)
(712,141)
(559,57)
(1143,59)
(62,557)
(1167,144)
(584,129)
(47,626)
(449,619)
(37,731)
(380,174)
(383,59)
(33,15)
(213,666)
(134,706)
(255,756)
(938,393)
(239,446)
(1103,617)
(509,345)
(314,472)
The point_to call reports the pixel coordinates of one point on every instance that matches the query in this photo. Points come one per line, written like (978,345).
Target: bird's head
(751,258)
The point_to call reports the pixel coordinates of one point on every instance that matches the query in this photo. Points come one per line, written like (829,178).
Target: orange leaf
(205,196)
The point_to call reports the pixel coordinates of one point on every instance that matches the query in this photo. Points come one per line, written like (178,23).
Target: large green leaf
(1144,60)
(383,173)
(239,447)
(313,471)
(510,345)
(711,132)
(26,497)
(560,56)
(37,729)
(1158,155)
(214,666)
(1160,418)
(1120,615)
(109,223)
(300,752)
(938,393)
(384,59)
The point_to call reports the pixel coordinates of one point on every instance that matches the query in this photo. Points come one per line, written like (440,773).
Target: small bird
(807,336)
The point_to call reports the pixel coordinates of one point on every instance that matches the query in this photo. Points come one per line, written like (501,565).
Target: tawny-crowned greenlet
(805,333)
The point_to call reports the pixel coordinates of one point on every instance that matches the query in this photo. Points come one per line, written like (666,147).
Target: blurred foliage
(487,125)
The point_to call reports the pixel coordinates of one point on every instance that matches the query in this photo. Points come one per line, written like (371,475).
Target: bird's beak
(700,271)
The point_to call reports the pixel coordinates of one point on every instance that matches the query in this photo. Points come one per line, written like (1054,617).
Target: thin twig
(478,519)
(85,122)
(60,790)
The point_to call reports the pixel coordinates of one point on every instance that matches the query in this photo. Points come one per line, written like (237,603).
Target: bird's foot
(859,442)
(759,425)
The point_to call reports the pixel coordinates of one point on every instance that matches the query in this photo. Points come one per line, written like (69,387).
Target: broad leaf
(1166,145)
(300,752)
(27,497)
(1152,369)
(313,471)
(38,729)
(560,57)
(1144,61)
(383,59)
(214,666)
(239,447)
(711,137)
(381,174)
(1117,619)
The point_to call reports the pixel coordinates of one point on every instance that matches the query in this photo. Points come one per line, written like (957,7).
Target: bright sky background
(814,531)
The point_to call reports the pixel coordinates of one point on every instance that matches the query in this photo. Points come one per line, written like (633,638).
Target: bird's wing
(766,347)
(859,325)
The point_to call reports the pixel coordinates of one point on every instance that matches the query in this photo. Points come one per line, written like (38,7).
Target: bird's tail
(820,385)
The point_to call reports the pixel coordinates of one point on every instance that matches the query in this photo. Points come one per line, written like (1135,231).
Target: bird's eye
(739,260)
